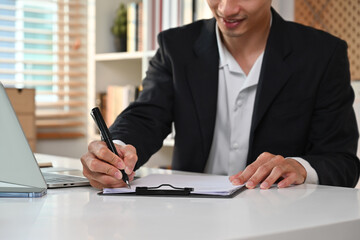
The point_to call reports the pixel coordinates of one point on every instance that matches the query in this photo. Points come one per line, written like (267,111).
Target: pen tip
(128,184)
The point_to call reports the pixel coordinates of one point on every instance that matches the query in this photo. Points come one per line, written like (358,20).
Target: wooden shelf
(109,67)
(149,54)
(58,124)
(118,56)
(62,135)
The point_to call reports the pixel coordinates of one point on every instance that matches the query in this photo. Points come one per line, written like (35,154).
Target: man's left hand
(267,169)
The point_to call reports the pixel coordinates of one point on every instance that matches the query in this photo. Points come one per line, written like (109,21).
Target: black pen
(105,136)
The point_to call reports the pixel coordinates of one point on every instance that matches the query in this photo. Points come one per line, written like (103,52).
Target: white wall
(64,147)
(285,8)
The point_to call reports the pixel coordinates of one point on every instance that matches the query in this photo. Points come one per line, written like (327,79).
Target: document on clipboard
(178,184)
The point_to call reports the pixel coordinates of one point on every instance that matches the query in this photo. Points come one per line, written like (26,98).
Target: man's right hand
(101,166)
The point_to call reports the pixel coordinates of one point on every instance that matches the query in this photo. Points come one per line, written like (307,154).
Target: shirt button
(235,146)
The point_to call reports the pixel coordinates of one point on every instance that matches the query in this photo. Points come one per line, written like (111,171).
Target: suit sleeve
(147,121)
(334,134)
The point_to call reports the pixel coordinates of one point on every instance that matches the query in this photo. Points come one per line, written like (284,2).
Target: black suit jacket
(303,106)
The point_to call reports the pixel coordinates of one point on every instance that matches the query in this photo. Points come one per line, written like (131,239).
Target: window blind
(43,46)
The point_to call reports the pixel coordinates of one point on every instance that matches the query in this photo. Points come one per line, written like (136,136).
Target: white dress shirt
(235,105)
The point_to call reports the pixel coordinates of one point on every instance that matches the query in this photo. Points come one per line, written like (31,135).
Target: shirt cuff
(312,177)
(119,142)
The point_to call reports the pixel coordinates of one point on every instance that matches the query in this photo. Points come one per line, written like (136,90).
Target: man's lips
(232,23)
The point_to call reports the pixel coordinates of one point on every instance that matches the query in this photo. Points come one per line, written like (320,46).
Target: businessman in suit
(252,96)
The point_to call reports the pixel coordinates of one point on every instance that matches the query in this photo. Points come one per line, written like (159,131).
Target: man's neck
(248,47)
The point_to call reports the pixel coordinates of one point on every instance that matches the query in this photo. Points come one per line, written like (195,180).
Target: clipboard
(202,186)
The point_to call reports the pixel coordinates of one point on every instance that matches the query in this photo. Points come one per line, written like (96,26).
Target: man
(251,96)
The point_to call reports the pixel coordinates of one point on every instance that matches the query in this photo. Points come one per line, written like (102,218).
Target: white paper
(202,184)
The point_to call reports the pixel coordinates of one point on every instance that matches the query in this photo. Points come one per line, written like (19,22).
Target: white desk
(301,212)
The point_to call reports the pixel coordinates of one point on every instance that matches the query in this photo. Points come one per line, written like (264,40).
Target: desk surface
(302,212)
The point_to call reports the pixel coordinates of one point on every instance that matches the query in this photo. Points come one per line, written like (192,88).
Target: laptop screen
(17,162)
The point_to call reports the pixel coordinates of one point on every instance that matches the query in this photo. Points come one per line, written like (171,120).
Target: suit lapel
(203,71)
(274,72)
(202,76)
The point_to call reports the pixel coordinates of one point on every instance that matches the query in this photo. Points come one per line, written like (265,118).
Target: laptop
(20,175)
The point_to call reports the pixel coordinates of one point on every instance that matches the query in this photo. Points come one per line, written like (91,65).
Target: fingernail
(250,184)
(264,185)
(128,170)
(241,180)
(118,175)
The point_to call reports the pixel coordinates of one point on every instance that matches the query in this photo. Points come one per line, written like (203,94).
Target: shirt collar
(225,56)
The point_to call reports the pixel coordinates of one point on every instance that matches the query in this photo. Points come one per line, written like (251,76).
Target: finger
(98,166)
(288,180)
(261,173)
(233,179)
(275,174)
(97,179)
(235,175)
(101,151)
(253,167)
(86,171)
(264,171)
(246,174)
(263,158)
(106,182)
(110,182)
(119,149)
(85,160)
(131,176)
(130,158)
(287,169)
(89,174)
(100,180)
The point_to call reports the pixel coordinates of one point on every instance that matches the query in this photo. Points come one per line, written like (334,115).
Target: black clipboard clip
(158,191)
